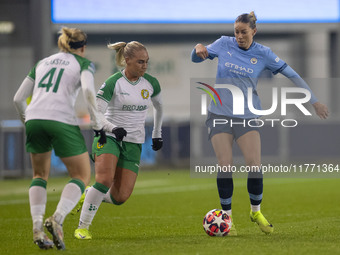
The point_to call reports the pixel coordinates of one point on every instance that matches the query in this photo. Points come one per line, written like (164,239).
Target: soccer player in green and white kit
(124,98)
(51,123)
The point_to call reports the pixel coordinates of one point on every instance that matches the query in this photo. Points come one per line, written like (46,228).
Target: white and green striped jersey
(128,103)
(56,87)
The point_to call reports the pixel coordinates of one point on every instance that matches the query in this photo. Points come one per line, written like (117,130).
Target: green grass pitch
(164,216)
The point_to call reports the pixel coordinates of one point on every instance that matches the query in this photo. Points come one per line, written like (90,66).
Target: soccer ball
(217,223)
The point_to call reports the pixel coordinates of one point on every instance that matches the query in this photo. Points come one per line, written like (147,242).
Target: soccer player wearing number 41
(124,98)
(51,123)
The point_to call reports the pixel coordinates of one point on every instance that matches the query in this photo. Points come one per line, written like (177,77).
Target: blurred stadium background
(306,34)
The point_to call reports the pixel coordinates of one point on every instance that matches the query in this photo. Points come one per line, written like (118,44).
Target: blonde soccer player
(124,98)
(51,123)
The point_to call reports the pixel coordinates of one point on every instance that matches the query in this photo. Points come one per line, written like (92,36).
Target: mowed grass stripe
(147,187)
(164,216)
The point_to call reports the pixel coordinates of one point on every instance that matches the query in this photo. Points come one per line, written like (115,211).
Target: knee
(85,177)
(40,173)
(104,181)
(253,162)
(224,159)
(225,162)
(121,198)
(252,158)
(104,177)
(118,202)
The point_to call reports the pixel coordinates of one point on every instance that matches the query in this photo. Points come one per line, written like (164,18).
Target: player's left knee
(253,163)
(118,202)
(121,199)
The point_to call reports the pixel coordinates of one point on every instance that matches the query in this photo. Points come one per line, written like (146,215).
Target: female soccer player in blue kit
(240,62)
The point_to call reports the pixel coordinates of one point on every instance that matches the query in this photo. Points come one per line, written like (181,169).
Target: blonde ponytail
(125,50)
(119,48)
(71,39)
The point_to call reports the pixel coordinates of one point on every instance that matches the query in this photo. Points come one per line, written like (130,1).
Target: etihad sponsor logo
(239,68)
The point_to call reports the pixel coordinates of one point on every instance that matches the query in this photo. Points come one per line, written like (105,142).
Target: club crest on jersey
(99,145)
(145,93)
(253,61)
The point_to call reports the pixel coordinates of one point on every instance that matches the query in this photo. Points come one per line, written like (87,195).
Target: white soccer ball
(217,223)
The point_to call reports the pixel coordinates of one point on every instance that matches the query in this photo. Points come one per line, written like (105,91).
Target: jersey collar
(251,45)
(131,82)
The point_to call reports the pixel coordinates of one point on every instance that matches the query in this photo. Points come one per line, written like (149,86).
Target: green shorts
(128,154)
(45,135)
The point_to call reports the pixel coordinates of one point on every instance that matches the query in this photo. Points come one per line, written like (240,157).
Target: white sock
(37,197)
(228,212)
(107,197)
(92,201)
(68,200)
(255,208)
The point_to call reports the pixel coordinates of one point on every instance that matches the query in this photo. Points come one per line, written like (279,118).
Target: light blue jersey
(242,68)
